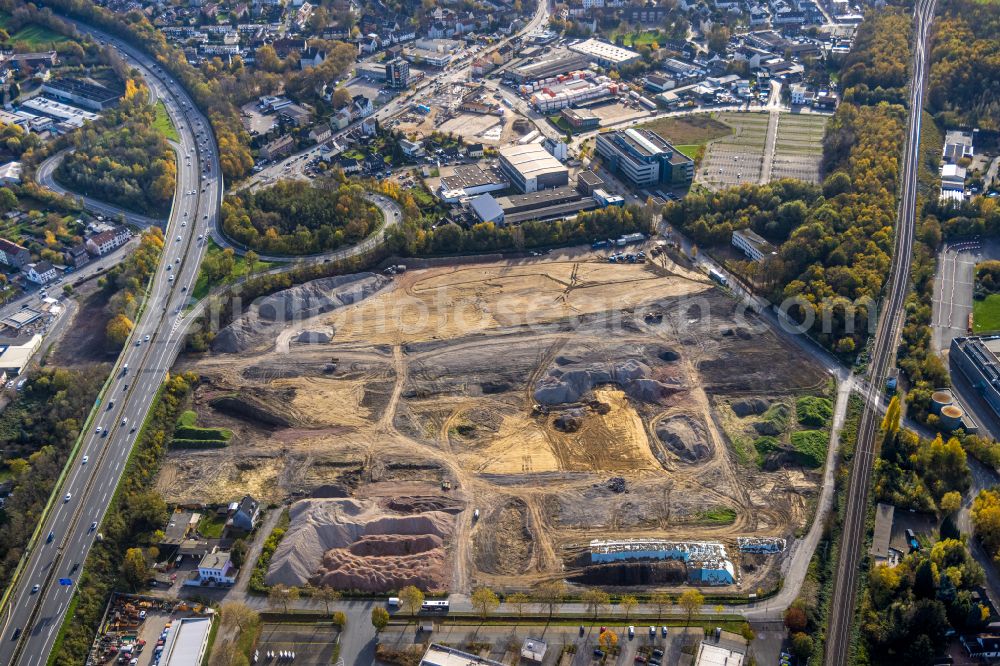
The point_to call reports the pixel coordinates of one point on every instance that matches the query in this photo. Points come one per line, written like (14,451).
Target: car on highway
(35,588)
(178,239)
(93,526)
(16,634)
(146,338)
(125,421)
(85,460)
(50,537)
(170,279)
(68,497)
(99,429)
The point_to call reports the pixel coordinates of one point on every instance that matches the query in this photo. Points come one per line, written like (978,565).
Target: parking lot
(256,122)
(798,149)
(738,158)
(312,643)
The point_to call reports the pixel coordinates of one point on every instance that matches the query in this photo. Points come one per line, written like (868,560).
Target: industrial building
(487,209)
(587,181)
(470,180)
(976,357)
(82,93)
(604,53)
(581,120)
(644,158)
(70,116)
(571,89)
(723,649)
(530,168)
(882,535)
(15,354)
(752,244)
(707,561)
(950,414)
(187,641)
(559,61)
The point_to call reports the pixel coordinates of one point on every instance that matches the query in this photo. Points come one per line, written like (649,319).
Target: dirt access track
(565,400)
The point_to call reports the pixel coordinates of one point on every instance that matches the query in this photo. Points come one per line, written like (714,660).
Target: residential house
(106,241)
(243,515)
(77,255)
(13,254)
(41,273)
(341,119)
(320,133)
(475,150)
(411,148)
(957,144)
(349,165)
(216,568)
(369,126)
(361,107)
(801,95)
(295,114)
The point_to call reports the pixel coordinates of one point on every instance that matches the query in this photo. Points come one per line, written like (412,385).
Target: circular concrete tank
(939,399)
(951,417)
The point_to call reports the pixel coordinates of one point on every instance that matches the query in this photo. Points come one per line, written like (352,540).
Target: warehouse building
(605,54)
(644,158)
(82,93)
(531,168)
(581,120)
(68,116)
(560,61)
(470,180)
(187,641)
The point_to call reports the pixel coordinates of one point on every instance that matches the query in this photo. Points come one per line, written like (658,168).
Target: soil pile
(685,437)
(750,406)
(350,544)
(570,382)
(270,314)
(314,337)
(502,541)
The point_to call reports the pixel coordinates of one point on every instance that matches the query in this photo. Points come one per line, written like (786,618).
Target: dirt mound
(562,386)
(270,314)
(392,544)
(685,437)
(421,504)
(633,573)
(502,543)
(569,421)
(314,337)
(342,570)
(352,544)
(750,406)
(617,484)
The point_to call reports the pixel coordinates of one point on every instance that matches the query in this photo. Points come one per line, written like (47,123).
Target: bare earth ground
(434,380)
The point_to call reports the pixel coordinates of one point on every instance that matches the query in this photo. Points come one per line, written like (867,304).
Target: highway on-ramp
(35,615)
(838,637)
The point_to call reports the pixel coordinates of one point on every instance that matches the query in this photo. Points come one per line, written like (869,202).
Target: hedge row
(194,432)
(199,443)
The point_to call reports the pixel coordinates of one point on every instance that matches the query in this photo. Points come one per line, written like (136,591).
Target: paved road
(140,372)
(883,355)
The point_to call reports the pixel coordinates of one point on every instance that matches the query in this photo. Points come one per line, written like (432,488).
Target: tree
(235,614)
(890,422)
(484,601)
(134,568)
(327,595)
(341,98)
(518,600)
(238,553)
(628,603)
(802,645)
(118,329)
(281,595)
(595,600)
(607,639)
(795,618)
(380,619)
(950,502)
(662,602)
(551,594)
(251,259)
(340,619)
(691,601)
(411,599)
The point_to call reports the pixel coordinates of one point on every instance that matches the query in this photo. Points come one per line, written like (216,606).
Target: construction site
(453,426)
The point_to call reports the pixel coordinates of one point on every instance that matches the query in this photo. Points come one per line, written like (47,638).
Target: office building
(82,93)
(644,158)
(531,168)
(397,73)
(752,244)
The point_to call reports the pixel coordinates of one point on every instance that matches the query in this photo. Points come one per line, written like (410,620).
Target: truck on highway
(892,381)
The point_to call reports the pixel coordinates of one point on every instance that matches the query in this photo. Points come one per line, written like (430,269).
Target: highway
(36,615)
(838,637)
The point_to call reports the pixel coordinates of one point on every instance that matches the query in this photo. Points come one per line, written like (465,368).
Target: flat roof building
(439,655)
(531,168)
(560,61)
(470,180)
(644,158)
(15,354)
(752,244)
(604,53)
(880,550)
(581,119)
(487,209)
(82,93)
(57,110)
(978,357)
(187,641)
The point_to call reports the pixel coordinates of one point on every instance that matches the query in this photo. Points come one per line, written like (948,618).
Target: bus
(435,606)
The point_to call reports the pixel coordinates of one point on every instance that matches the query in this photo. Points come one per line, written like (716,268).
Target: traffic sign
(65,581)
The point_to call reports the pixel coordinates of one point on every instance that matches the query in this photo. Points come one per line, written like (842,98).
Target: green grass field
(163,123)
(637,39)
(986,314)
(33,35)
(202,287)
(211,527)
